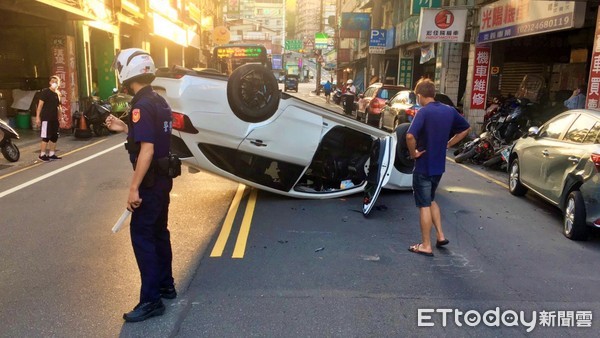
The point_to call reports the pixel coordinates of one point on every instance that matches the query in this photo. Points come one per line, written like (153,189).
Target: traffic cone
(82,130)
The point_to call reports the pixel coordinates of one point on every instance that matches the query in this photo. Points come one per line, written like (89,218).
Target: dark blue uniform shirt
(433,126)
(151,121)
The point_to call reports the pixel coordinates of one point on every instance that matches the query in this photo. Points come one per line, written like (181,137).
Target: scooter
(337,96)
(10,151)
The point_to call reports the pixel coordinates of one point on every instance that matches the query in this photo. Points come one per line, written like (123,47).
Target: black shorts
(49,131)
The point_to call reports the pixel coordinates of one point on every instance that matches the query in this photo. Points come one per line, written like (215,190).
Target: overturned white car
(244,128)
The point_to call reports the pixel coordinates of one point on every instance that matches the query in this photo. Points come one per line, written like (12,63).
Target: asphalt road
(302,267)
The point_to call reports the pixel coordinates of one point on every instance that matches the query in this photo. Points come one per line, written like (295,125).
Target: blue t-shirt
(151,121)
(433,125)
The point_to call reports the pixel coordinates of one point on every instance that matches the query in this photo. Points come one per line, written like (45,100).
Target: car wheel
(253,93)
(574,217)
(404,163)
(515,186)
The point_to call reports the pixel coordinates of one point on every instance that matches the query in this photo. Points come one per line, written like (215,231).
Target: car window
(396,99)
(554,128)
(369,92)
(594,135)
(386,93)
(580,129)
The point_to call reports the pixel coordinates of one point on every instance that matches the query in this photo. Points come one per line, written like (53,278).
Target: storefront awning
(54,10)
(71,13)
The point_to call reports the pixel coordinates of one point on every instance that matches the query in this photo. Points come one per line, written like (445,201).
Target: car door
(564,156)
(537,155)
(380,167)
(275,154)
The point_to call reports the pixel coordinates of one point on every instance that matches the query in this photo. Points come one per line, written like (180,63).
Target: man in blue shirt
(577,100)
(427,141)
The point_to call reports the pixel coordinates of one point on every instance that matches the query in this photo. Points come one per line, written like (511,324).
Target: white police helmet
(132,63)
(349,81)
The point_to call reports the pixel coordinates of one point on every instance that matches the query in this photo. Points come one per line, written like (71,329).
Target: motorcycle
(478,150)
(512,120)
(10,151)
(94,116)
(500,158)
(337,96)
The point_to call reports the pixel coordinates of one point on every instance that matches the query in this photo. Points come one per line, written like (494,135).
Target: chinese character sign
(593,90)
(480,77)
(64,66)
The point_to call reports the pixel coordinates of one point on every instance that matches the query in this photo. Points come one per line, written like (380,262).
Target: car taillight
(375,103)
(411,111)
(182,122)
(596,160)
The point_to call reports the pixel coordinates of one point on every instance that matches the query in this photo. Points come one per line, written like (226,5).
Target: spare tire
(253,93)
(403,162)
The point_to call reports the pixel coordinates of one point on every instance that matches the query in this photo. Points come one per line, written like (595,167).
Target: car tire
(515,186)
(253,93)
(403,162)
(574,225)
(460,158)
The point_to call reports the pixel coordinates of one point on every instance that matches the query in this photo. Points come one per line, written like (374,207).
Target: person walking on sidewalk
(427,141)
(148,143)
(327,89)
(47,115)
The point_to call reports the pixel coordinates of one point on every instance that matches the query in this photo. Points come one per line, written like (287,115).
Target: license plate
(502,119)
(505,154)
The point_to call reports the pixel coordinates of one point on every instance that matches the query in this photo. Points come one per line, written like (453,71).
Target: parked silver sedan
(560,162)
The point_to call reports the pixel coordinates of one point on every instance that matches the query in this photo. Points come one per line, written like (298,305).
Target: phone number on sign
(562,21)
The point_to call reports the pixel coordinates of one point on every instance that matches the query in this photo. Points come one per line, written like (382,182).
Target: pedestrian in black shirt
(48,113)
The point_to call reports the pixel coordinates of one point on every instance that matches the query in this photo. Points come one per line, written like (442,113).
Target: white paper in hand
(121,220)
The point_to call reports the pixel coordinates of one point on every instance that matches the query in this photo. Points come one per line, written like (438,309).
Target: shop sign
(592,98)
(277,61)
(194,13)
(405,72)
(377,41)
(480,77)
(442,25)
(408,31)
(356,21)
(64,66)
(416,5)
(508,19)
(169,30)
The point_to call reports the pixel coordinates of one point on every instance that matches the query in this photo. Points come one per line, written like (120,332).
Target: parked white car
(245,129)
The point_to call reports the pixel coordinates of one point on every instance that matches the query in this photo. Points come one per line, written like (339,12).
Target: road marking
(240,244)
(502,184)
(40,163)
(57,171)
(226,228)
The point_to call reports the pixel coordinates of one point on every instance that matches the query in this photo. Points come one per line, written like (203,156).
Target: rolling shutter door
(513,74)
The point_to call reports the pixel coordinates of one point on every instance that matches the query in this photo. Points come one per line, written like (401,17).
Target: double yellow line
(242,239)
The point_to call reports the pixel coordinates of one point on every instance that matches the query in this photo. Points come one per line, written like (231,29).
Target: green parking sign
(294,45)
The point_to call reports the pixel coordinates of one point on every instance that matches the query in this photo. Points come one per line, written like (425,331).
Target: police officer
(148,140)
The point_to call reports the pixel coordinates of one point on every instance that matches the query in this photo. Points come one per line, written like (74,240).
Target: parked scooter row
(9,150)
(507,120)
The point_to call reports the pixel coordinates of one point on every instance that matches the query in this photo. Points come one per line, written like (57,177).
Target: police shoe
(168,293)
(143,311)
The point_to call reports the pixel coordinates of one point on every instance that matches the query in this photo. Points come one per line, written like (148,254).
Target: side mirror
(533,131)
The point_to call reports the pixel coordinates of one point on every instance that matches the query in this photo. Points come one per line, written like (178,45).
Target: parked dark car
(402,108)
(290,83)
(560,161)
(373,100)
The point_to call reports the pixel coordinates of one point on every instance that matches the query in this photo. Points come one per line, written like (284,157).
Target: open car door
(380,168)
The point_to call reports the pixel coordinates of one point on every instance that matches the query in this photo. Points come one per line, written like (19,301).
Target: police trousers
(151,240)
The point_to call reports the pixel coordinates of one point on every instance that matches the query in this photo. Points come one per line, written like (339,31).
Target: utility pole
(319,51)
(375,59)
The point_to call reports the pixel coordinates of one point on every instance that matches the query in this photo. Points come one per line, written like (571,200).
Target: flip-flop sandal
(439,244)
(416,249)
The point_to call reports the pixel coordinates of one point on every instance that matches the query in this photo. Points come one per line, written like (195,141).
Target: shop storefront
(550,39)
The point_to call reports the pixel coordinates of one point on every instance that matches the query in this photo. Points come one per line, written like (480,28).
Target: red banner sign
(64,66)
(593,90)
(480,77)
